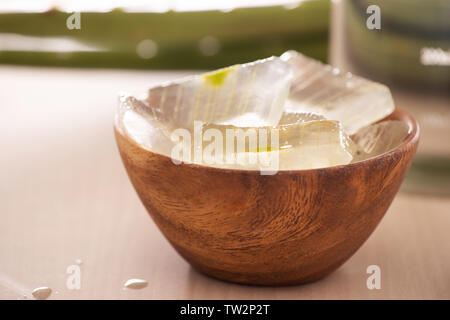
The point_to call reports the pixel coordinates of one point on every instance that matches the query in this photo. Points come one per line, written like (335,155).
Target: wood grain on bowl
(289,228)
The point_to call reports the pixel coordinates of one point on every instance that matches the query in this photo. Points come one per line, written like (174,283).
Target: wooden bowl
(289,228)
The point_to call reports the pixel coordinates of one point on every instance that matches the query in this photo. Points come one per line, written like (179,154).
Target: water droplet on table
(41,293)
(135,284)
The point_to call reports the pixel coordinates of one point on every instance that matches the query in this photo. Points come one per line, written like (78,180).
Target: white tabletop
(64,196)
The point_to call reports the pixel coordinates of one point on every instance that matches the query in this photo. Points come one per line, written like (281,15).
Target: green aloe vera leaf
(167,58)
(259,31)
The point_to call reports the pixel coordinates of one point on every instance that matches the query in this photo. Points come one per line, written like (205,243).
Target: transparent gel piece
(251,94)
(302,145)
(315,144)
(302,141)
(141,123)
(379,138)
(354,101)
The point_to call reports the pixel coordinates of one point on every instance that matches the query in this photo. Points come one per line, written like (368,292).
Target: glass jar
(404,44)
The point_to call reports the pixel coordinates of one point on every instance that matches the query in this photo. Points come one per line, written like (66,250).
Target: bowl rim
(398,114)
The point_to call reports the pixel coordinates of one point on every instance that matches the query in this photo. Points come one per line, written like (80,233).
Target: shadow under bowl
(289,228)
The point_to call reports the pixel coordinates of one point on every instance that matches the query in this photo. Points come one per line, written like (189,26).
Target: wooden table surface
(64,196)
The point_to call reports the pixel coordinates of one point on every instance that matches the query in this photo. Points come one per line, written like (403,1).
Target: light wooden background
(64,195)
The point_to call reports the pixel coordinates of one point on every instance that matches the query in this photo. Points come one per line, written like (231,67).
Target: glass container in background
(404,44)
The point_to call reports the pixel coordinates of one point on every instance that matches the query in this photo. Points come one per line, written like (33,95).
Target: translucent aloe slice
(352,100)
(302,142)
(379,138)
(315,144)
(135,119)
(251,94)
(301,145)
